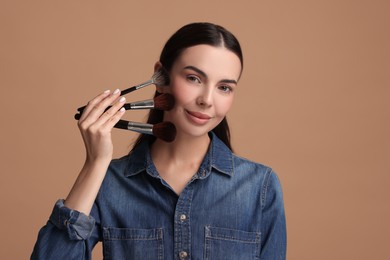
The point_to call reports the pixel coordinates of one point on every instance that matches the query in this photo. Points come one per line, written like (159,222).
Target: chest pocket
(223,243)
(126,243)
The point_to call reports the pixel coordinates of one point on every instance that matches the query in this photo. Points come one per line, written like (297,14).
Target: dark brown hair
(188,36)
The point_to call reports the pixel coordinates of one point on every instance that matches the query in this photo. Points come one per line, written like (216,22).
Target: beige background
(313,103)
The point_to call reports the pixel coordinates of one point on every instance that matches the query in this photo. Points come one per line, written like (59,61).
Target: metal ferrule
(142,130)
(140,127)
(145,104)
(147,83)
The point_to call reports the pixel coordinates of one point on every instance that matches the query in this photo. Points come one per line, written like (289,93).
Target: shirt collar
(219,157)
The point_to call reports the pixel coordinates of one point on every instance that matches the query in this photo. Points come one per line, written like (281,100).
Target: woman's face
(202,80)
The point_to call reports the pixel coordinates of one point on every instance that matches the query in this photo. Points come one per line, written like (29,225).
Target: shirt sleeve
(273,227)
(68,234)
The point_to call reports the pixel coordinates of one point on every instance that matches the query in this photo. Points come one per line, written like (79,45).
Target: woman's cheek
(184,94)
(224,107)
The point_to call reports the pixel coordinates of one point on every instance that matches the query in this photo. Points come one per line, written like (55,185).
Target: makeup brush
(163,101)
(165,131)
(159,78)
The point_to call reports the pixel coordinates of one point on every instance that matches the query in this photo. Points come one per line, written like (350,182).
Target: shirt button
(183,254)
(183,217)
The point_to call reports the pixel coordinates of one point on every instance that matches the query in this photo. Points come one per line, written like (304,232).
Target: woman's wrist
(85,189)
(97,162)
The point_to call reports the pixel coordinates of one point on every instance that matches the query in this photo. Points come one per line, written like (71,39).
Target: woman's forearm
(86,187)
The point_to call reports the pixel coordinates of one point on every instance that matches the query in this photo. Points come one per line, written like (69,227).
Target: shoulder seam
(264,189)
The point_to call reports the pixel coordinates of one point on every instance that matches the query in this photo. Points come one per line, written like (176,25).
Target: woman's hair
(188,36)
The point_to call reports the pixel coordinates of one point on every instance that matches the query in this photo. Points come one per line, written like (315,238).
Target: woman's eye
(226,89)
(194,79)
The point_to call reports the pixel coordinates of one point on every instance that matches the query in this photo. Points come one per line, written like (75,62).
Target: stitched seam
(266,183)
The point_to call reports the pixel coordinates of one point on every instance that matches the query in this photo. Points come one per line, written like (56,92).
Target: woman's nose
(205,98)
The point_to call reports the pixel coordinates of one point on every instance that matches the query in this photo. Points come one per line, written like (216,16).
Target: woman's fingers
(109,118)
(96,106)
(92,103)
(96,126)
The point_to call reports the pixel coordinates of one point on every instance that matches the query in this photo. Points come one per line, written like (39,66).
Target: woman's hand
(96,124)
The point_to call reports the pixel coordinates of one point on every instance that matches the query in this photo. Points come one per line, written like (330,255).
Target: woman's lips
(197,117)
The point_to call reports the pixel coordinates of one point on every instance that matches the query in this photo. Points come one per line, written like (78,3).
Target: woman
(188,199)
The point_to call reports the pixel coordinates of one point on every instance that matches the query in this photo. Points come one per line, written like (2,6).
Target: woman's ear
(157,66)
(161,89)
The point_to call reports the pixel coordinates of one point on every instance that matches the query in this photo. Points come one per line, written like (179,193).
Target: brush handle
(131,89)
(81,109)
(126,91)
(144,104)
(77,116)
(129,125)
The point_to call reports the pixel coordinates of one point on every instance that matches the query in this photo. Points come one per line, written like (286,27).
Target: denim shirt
(231,209)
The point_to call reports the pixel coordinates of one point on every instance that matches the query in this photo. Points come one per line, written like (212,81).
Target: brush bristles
(161,77)
(164,102)
(165,131)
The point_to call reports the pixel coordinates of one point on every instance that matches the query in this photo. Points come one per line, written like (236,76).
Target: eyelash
(225,88)
(193,78)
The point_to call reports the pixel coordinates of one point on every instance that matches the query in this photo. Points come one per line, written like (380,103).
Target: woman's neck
(183,149)
(178,161)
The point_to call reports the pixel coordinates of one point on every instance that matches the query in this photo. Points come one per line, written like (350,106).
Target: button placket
(182,228)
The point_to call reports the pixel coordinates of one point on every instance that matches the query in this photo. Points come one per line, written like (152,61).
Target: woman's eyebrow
(231,81)
(201,72)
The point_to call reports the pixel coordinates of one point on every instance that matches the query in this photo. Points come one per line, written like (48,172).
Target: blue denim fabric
(231,209)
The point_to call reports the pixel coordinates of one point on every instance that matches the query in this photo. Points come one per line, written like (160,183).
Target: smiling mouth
(197,117)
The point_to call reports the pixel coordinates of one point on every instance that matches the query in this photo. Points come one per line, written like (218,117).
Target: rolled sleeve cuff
(78,225)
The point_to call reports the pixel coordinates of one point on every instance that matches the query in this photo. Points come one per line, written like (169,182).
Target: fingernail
(122,109)
(116,91)
(106,91)
(122,99)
